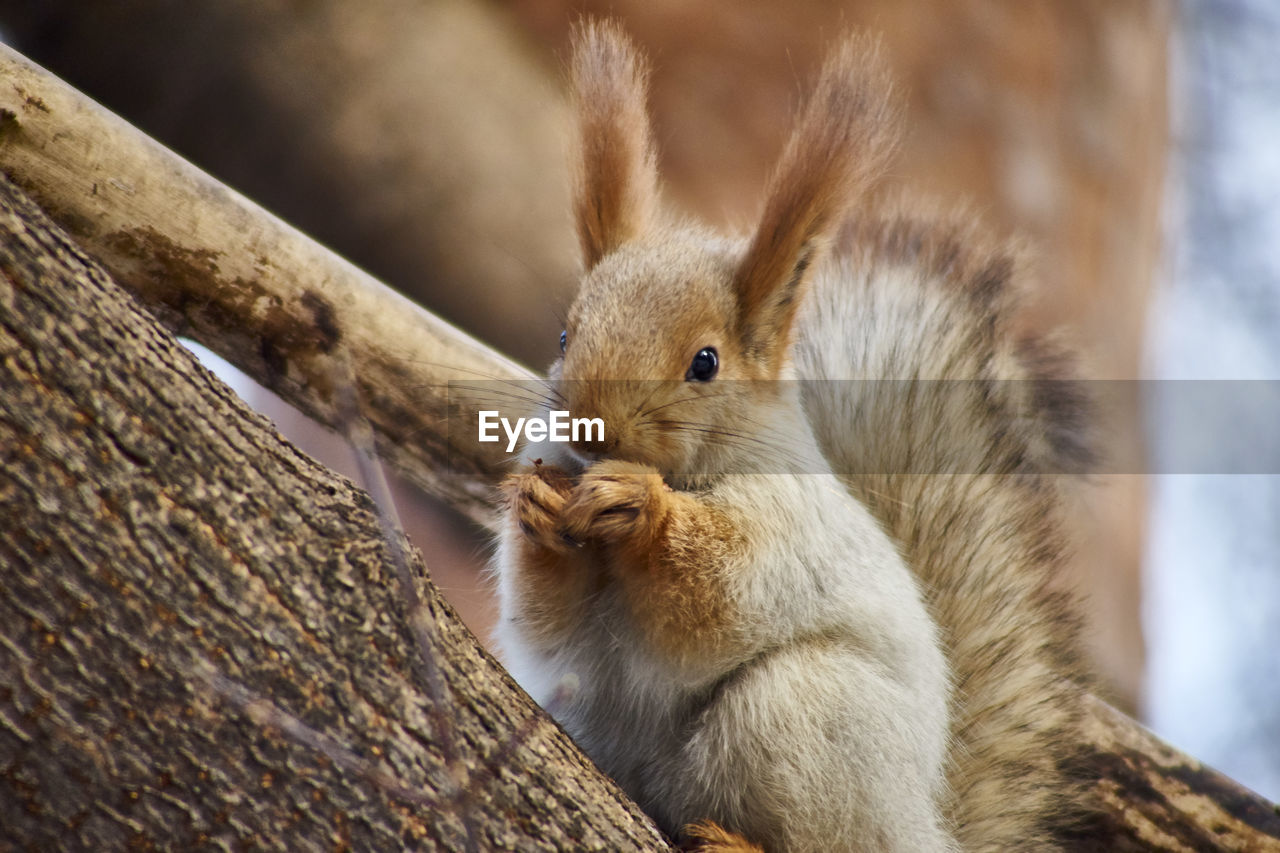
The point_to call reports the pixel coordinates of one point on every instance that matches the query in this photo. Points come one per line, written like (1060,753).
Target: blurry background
(1212,596)
(1130,145)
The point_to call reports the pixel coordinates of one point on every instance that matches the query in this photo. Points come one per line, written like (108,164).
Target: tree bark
(1157,798)
(154,528)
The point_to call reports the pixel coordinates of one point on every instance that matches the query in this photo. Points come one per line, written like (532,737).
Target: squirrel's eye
(564,340)
(704,366)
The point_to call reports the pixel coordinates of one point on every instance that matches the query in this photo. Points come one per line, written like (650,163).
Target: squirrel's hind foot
(709,837)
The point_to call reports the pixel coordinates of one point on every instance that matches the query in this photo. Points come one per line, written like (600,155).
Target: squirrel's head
(676,335)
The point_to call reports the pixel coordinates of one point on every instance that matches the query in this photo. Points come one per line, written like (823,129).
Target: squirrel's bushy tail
(954,440)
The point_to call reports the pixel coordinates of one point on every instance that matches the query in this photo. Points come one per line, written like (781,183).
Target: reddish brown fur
(676,590)
(551,585)
(668,549)
(615,196)
(840,144)
(708,837)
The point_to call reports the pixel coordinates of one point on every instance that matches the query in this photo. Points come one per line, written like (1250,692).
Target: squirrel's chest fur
(815,591)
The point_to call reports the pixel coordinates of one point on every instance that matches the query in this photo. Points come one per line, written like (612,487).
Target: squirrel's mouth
(585,457)
(623,451)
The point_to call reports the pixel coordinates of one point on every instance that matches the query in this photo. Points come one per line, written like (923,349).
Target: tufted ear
(840,144)
(616,186)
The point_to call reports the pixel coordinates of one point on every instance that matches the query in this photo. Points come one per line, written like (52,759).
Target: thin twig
(421,622)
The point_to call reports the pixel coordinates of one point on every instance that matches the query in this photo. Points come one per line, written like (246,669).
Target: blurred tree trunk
(421,140)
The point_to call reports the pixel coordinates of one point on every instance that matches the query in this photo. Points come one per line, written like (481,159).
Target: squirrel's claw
(536,498)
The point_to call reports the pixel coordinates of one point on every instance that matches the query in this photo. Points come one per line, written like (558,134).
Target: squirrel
(800,615)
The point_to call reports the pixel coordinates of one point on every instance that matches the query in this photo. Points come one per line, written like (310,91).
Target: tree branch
(180,586)
(1157,798)
(214,266)
(422,141)
(204,559)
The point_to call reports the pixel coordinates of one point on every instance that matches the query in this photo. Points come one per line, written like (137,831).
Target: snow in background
(1212,598)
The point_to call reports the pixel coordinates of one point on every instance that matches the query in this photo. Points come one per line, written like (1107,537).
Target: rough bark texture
(151,525)
(150,522)
(1157,798)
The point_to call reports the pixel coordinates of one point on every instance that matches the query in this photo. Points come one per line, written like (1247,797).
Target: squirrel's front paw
(613,501)
(536,498)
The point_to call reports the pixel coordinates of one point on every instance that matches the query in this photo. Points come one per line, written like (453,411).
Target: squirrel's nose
(597,418)
(590,446)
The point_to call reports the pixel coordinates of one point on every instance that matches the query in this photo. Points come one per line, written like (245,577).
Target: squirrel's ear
(841,142)
(616,186)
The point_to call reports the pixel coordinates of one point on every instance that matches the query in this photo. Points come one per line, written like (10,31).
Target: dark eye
(704,366)
(564,340)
